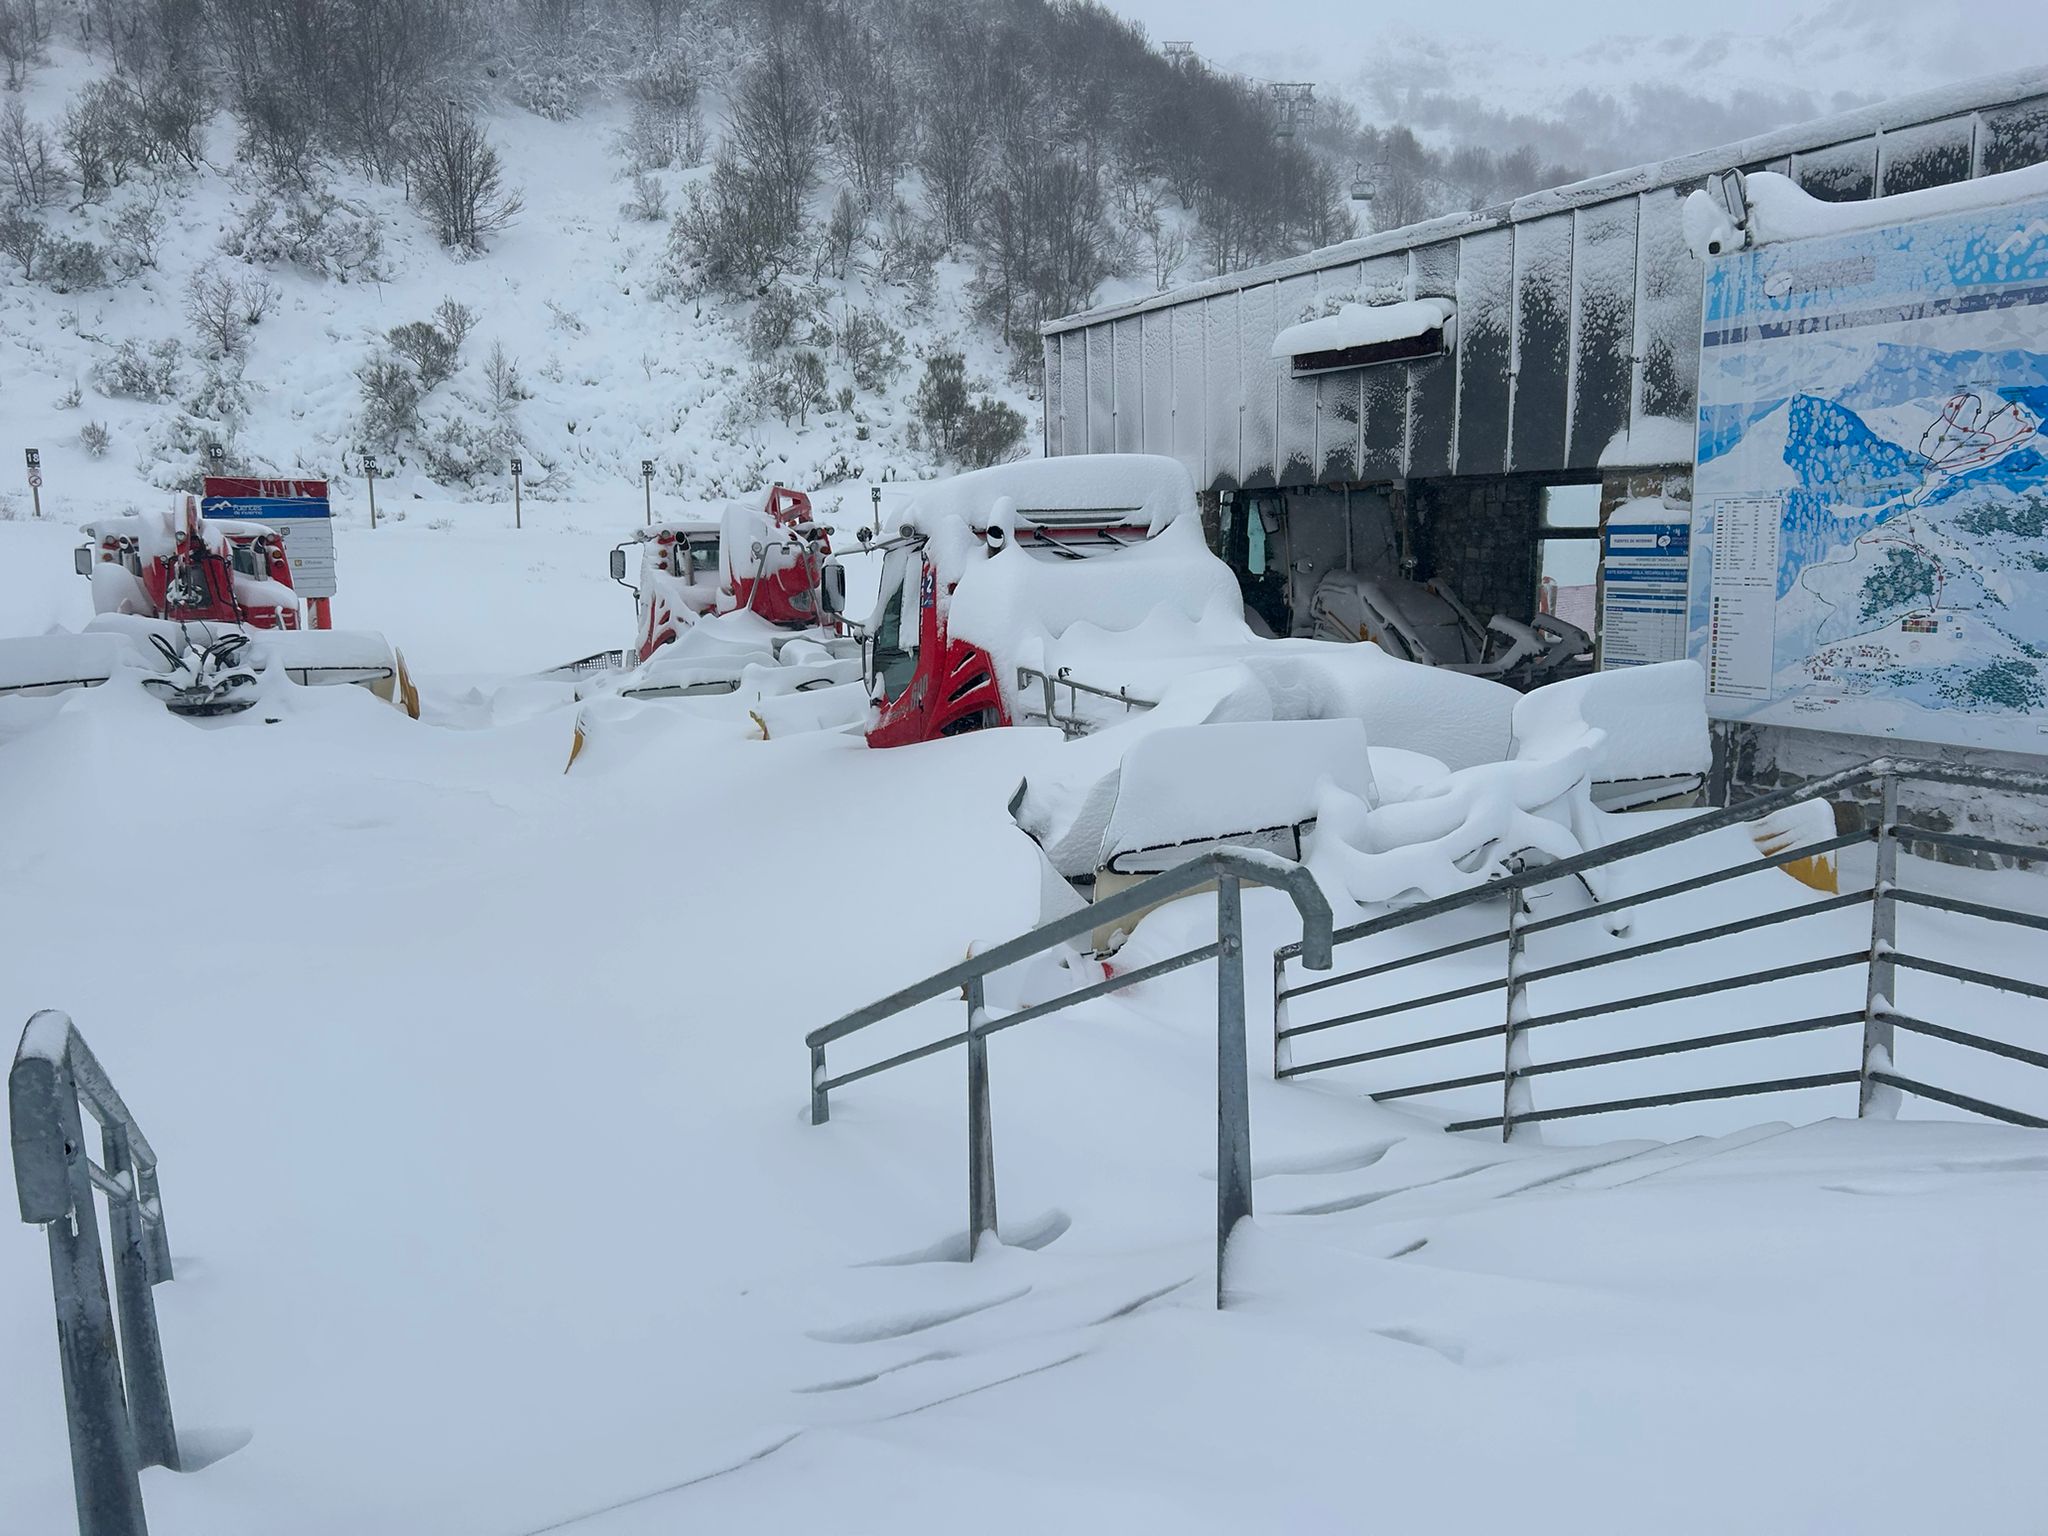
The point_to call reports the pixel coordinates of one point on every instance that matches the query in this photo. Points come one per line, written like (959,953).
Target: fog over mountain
(1590,86)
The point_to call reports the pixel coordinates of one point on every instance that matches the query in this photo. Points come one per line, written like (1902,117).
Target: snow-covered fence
(1878,1017)
(1227,869)
(113,1433)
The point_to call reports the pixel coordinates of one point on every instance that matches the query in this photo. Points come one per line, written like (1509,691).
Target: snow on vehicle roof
(1654,719)
(1367,325)
(1139,489)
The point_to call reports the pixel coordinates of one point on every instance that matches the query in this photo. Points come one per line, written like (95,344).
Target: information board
(1645,556)
(297,509)
(1870,501)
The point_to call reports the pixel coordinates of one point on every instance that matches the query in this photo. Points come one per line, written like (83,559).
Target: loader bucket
(1810,821)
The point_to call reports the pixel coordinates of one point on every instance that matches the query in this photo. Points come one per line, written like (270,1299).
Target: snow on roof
(1781,210)
(1368,325)
(1653,719)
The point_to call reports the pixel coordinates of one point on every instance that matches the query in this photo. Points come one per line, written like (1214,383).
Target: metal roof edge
(1977,95)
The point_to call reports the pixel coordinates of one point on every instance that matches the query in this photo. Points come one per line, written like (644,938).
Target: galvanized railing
(1228,869)
(1072,723)
(113,1433)
(1878,1017)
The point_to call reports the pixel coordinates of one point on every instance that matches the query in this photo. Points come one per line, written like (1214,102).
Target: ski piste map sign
(1870,498)
(297,509)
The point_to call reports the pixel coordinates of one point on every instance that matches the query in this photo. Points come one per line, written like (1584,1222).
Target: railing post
(821,1109)
(1233,1100)
(981,1149)
(1514,1089)
(1282,1052)
(1874,1100)
(103,1463)
(142,1351)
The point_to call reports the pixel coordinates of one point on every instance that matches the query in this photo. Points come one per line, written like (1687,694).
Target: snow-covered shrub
(649,201)
(279,130)
(955,426)
(72,266)
(172,111)
(137,233)
(133,373)
(733,236)
(21,240)
(391,399)
(258,296)
(432,354)
(992,433)
(315,231)
(459,450)
(456,321)
(872,348)
(94,438)
(213,303)
(666,127)
(843,230)
(791,384)
(72,398)
(775,321)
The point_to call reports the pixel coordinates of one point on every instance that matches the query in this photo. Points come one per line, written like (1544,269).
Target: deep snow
(481,1097)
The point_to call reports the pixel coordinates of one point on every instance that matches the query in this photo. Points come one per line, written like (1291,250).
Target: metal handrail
(1881,960)
(1071,723)
(113,1435)
(1227,868)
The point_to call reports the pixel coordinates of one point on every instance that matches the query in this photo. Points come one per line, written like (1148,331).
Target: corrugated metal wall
(1578,317)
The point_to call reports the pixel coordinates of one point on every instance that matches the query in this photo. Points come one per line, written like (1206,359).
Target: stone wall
(1480,536)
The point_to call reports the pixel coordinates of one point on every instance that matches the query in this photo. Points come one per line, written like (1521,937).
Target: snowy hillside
(608,373)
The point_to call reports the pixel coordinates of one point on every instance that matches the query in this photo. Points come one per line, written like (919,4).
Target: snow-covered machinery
(200,604)
(1426,621)
(771,560)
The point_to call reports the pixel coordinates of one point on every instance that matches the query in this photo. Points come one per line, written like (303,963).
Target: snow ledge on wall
(1367,325)
(1781,210)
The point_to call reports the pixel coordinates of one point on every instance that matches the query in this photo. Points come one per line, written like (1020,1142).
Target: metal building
(1575,360)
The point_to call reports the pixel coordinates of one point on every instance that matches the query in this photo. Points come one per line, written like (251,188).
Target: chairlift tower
(1178,50)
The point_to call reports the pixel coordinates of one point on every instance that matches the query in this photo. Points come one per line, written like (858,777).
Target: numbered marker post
(518,468)
(35,481)
(647,485)
(370,474)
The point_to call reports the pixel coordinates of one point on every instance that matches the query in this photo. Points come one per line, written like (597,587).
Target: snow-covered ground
(481,1098)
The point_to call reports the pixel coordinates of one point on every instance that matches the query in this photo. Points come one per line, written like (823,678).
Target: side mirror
(82,558)
(619,563)
(832,587)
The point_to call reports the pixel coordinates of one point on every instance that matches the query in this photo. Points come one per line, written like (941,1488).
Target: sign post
(875,501)
(518,467)
(35,481)
(370,474)
(647,484)
(216,457)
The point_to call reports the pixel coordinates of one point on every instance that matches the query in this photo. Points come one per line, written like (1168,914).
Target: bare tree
(774,133)
(21,240)
(458,177)
(214,304)
(29,159)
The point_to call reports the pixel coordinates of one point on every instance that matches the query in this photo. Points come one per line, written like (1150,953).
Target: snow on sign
(1870,505)
(297,509)
(1644,556)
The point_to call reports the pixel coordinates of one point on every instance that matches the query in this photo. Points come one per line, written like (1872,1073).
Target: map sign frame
(1870,491)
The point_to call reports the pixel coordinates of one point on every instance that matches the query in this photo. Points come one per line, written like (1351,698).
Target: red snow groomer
(768,560)
(205,571)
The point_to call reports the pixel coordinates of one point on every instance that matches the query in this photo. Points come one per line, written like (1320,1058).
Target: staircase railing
(1228,869)
(114,1433)
(1878,1019)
